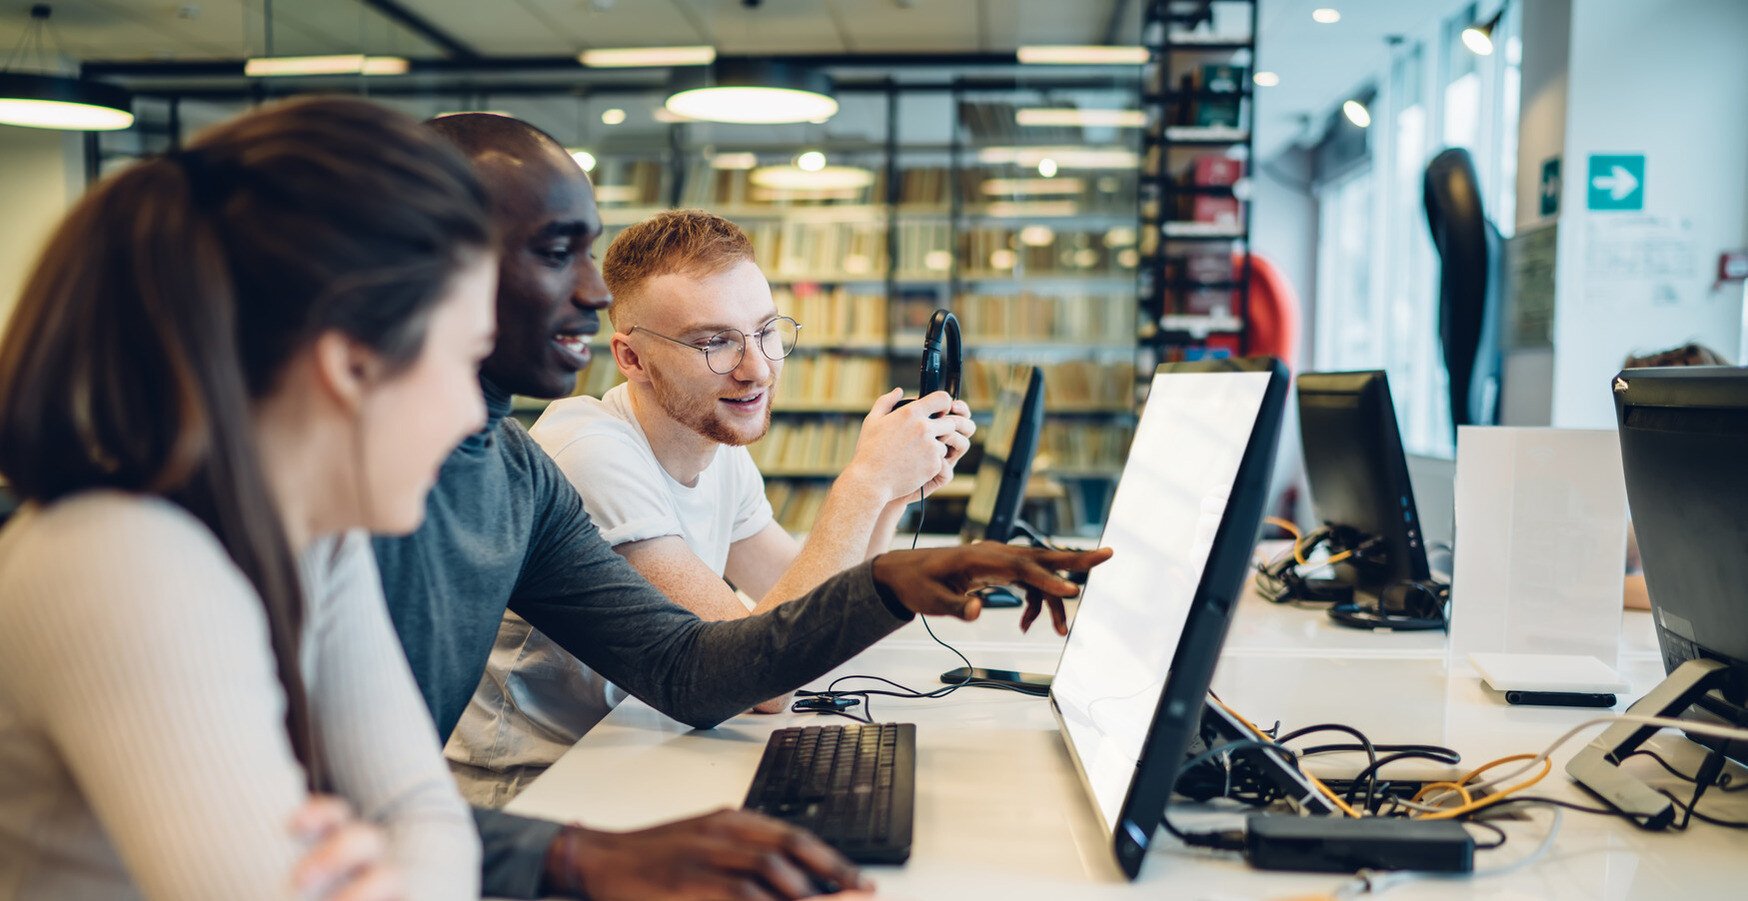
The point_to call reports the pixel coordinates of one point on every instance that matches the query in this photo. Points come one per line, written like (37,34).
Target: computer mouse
(999,596)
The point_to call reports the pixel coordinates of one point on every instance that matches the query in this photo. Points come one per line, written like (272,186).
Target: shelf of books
(1028,234)
(1195,229)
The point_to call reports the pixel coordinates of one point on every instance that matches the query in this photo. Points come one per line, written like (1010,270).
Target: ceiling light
(1113,118)
(1266,79)
(1047,167)
(1064,157)
(811,161)
(1031,209)
(1037,236)
(1357,113)
(337,64)
(1002,258)
(612,116)
(734,161)
(584,159)
(1033,186)
(641,57)
(754,93)
(825,178)
(938,260)
(1121,236)
(1479,37)
(1081,55)
(616,194)
(58,101)
(1327,15)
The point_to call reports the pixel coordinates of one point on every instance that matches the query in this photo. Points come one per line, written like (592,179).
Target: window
(1377,291)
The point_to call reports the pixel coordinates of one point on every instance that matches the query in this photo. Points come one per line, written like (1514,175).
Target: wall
(1527,383)
(1666,78)
(40,173)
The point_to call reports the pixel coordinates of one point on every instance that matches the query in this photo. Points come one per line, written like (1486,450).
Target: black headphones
(942,360)
(1405,606)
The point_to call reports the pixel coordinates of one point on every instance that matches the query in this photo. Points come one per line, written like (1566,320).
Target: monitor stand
(1220,726)
(1598,766)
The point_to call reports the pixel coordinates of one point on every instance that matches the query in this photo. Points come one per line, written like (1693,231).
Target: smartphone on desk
(1030,683)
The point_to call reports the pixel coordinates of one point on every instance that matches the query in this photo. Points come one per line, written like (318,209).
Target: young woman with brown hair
(228,362)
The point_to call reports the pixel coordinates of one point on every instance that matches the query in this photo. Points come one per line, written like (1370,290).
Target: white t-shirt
(535,699)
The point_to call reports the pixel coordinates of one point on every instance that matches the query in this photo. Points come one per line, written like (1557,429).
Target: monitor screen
(1163,521)
(1011,441)
(1357,471)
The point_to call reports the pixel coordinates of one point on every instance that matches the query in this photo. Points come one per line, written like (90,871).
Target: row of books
(812,445)
(990,319)
(706,187)
(1071,446)
(1070,385)
(818,249)
(835,316)
(1037,250)
(796,504)
(841,383)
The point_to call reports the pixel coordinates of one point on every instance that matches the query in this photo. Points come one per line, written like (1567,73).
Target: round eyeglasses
(724,350)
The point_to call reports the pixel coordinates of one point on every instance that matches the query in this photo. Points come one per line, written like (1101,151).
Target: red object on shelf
(1273,321)
(1217,210)
(1210,170)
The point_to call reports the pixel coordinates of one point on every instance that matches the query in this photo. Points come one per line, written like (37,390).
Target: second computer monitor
(1358,473)
(1008,450)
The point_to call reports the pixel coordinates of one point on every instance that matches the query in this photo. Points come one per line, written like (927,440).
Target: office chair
(1471,286)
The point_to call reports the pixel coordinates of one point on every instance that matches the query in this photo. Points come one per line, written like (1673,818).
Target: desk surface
(1001,814)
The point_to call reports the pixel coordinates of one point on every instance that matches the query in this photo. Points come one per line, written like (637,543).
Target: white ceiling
(1318,64)
(165,29)
(1321,65)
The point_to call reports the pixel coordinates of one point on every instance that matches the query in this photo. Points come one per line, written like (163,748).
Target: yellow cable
(1334,798)
(1299,542)
(1495,798)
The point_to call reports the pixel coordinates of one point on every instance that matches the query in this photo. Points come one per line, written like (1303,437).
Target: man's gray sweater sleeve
(596,606)
(515,852)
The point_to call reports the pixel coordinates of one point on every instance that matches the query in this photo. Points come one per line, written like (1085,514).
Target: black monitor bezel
(1394,516)
(1016,470)
(1178,716)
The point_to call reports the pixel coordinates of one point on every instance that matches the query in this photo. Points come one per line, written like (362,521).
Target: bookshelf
(956,213)
(1194,280)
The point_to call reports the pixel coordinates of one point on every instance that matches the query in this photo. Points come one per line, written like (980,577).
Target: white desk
(1001,814)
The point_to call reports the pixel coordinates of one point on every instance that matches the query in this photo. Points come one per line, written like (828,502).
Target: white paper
(1540,542)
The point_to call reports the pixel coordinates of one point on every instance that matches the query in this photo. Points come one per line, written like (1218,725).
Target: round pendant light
(58,101)
(753,92)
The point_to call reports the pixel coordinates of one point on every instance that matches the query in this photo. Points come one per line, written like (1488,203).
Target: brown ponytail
(173,294)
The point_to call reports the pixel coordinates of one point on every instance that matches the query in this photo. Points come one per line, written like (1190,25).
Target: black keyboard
(853,786)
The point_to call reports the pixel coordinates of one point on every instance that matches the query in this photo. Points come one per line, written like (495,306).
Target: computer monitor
(1358,473)
(1008,450)
(1684,437)
(1134,674)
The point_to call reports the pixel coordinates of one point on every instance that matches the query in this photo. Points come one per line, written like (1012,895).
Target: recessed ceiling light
(1081,55)
(338,64)
(584,159)
(826,178)
(734,161)
(1114,118)
(1037,236)
(1326,15)
(1266,79)
(811,161)
(612,116)
(640,57)
(1000,186)
(1357,113)
(1047,167)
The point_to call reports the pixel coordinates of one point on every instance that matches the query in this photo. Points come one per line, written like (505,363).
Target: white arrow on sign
(1618,183)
